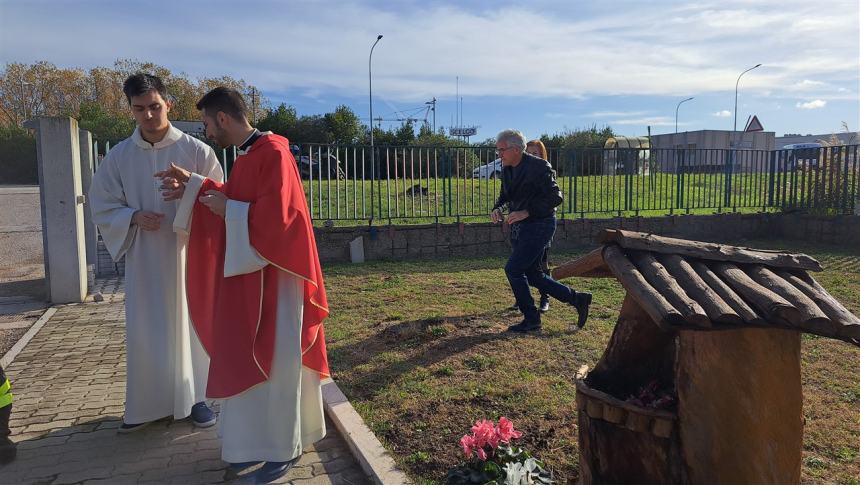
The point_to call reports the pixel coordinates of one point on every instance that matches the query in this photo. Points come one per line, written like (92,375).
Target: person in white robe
(166,368)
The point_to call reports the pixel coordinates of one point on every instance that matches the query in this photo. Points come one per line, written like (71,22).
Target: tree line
(94,97)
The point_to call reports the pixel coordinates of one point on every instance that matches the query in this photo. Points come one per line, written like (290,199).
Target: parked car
(803,154)
(330,168)
(491,170)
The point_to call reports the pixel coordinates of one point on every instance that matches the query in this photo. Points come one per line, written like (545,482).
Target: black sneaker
(581,301)
(126,428)
(8,450)
(525,326)
(544,304)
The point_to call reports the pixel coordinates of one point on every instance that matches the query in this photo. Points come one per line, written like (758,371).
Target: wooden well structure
(717,329)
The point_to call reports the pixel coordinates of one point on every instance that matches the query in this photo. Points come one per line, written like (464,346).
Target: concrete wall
(400,243)
(717,139)
(446,240)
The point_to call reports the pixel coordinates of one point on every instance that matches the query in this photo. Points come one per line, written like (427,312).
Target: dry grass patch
(420,349)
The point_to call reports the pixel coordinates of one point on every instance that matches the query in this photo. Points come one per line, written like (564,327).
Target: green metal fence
(392,185)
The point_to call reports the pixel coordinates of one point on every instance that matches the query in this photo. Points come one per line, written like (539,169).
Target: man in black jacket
(531,194)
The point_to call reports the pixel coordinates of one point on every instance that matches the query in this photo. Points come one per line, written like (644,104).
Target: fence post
(771,178)
(679,154)
(87,170)
(61,197)
(628,179)
(574,180)
(727,191)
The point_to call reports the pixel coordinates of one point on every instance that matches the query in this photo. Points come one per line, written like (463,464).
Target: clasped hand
(516,216)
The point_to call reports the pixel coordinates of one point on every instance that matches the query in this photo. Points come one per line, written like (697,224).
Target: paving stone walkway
(69,386)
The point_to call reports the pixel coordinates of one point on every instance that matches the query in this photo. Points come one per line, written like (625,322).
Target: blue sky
(542,66)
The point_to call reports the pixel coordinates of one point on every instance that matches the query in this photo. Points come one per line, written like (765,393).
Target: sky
(543,66)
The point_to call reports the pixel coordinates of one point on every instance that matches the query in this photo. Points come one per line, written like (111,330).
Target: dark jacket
(531,186)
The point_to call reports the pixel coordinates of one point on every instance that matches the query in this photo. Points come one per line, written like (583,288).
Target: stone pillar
(59,162)
(90,234)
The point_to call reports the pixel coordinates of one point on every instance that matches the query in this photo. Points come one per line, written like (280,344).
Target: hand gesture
(147,220)
(173,182)
(180,174)
(171,189)
(496,216)
(517,216)
(215,201)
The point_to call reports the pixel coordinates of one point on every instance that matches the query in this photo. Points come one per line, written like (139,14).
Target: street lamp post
(676,112)
(372,153)
(24,101)
(736,94)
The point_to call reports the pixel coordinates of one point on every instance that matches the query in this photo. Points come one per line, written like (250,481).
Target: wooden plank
(716,308)
(656,274)
(717,252)
(775,308)
(848,323)
(590,265)
(746,312)
(655,305)
(811,317)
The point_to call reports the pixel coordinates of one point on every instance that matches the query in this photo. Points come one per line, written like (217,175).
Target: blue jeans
(529,240)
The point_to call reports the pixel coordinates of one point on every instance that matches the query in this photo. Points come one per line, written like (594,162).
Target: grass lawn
(452,199)
(420,350)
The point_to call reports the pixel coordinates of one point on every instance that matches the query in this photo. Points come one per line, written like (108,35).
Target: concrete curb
(365,447)
(25,339)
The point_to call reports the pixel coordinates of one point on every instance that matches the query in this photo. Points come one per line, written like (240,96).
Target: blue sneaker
(202,416)
(273,470)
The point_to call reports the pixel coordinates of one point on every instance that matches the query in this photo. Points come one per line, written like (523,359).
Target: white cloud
(818,103)
(651,121)
(808,83)
(583,52)
(723,114)
(615,114)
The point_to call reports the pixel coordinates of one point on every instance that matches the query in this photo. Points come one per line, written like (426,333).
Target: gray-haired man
(531,194)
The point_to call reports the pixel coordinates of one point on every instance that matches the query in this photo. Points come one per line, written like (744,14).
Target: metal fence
(416,184)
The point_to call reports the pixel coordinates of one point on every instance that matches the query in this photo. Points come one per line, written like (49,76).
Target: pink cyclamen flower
(482,454)
(485,434)
(505,430)
(468,443)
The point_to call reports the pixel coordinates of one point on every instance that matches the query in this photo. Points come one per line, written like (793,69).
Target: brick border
(364,445)
(25,339)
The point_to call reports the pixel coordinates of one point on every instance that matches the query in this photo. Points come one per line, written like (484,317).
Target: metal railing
(424,184)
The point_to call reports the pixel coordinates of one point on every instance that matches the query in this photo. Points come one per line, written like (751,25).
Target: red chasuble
(235,317)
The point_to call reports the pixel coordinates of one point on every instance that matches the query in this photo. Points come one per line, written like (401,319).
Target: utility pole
(23,99)
(253,105)
(432,105)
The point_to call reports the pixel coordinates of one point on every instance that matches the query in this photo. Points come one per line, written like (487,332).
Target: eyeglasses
(499,151)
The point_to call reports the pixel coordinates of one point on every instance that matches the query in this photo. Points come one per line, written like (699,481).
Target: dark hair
(226,100)
(142,83)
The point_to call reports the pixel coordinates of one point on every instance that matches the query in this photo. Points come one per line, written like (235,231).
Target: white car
(489,171)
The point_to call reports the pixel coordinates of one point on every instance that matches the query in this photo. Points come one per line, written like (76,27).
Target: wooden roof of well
(707,286)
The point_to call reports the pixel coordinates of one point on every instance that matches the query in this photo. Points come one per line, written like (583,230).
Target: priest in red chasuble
(255,291)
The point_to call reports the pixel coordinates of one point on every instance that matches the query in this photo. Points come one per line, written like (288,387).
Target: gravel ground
(22,272)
